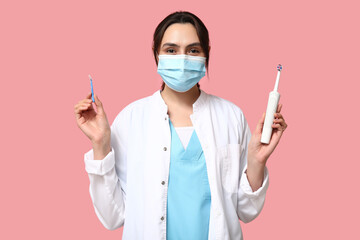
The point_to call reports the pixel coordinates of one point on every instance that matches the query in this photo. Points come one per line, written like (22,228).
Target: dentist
(180,163)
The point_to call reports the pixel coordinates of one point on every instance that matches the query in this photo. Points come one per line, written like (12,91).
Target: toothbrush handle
(269,117)
(92,91)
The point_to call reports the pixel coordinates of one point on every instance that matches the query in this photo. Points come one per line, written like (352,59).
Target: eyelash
(196,51)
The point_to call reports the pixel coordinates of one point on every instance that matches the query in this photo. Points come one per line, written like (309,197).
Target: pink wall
(47,50)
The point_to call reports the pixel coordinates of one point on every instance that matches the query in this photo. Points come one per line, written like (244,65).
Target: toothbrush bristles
(279,67)
(90,77)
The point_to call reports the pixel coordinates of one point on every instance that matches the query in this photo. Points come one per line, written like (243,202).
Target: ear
(153,52)
(209,48)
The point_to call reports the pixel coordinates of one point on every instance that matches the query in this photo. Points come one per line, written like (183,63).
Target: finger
(260,124)
(274,140)
(89,95)
(279,120)
(277,126)
(81,108)
(87,105)
(278,116)
(278,109)
(82,103)
(76,107)
(99,105)
(86,100)
(282,122)
(78,112)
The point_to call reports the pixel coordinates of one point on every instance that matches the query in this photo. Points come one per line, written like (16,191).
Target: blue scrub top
(189,198)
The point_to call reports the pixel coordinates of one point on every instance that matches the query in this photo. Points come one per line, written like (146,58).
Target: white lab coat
(129,186)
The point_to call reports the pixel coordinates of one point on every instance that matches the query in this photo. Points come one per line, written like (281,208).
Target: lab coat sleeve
(108,178)
(249,203)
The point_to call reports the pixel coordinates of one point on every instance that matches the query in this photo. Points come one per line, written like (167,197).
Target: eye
(170,50)
(194,50)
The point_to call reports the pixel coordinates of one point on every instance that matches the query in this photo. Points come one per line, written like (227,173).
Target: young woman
(181,163)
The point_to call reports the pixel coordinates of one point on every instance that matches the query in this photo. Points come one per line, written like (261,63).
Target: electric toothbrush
(273,101)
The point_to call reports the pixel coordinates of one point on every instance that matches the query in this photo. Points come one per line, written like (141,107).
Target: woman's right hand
(94,124)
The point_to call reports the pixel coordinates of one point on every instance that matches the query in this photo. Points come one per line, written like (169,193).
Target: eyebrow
(175,45)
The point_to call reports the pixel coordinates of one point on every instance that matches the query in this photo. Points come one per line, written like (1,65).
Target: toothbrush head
(90,77)
(279,67)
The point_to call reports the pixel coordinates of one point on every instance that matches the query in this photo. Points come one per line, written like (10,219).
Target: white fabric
(184,133)
(131,181)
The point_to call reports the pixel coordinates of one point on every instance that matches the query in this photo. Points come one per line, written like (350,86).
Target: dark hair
(182,17)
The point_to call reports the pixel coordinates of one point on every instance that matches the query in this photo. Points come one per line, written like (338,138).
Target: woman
(181,163)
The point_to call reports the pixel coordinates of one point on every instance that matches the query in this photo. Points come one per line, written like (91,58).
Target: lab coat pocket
(228,157)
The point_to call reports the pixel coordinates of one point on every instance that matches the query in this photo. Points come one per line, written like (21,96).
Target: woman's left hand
(258,152)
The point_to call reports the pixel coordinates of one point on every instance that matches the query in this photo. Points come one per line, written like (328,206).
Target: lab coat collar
(198,105)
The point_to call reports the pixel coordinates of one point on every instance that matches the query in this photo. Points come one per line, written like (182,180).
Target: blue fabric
(189,198)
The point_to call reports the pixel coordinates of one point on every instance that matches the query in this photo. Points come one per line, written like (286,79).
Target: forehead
(180,33)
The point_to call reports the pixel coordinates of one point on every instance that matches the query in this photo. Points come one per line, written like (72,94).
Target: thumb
(260,124)
(99,106)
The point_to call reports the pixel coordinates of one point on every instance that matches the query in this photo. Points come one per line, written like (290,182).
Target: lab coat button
(162,218)
(163,182)
(165,118)
(165,148)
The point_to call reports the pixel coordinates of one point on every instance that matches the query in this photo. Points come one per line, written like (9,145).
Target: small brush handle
(269,117)
(92,90)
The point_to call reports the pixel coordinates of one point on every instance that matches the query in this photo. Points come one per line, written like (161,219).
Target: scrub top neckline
(193,149)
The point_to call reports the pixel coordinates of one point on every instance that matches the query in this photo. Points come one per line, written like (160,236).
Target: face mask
(181,72)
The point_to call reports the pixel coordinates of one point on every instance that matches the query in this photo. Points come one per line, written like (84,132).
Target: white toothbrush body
(273,102)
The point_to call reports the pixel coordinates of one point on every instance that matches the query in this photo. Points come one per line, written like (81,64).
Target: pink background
(48,48)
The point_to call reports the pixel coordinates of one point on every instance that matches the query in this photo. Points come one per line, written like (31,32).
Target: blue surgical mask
(181,72)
